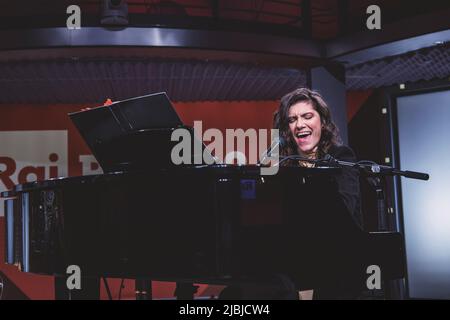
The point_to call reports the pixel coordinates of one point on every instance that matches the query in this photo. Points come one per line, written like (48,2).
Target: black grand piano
(146,218)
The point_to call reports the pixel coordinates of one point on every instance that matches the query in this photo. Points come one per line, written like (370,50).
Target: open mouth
(303,135)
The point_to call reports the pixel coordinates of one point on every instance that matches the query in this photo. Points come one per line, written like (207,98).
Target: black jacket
(348,182)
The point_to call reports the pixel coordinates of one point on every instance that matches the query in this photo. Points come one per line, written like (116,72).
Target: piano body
(146,218)
(205,224)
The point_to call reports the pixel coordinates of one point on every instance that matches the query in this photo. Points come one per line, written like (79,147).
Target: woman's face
(305,126)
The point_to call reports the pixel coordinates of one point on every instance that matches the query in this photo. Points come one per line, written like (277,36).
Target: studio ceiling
(259,49)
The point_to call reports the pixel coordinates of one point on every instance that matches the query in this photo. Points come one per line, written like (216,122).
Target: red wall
(219,115)
(355,99)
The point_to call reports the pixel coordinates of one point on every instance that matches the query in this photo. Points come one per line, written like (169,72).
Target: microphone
(327,160)
(276,144)
(416,175)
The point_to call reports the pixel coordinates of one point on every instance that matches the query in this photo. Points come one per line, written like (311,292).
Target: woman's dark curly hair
(330,132)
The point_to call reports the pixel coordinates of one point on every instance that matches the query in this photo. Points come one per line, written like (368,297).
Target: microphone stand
(377,186)
(368,167)
(373,169)
(374,173)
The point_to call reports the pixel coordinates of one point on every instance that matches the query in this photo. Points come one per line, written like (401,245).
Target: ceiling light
(114,13)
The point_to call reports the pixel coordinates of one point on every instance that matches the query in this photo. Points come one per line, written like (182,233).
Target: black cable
(367,162)
(107,288)
(121,287)
(300,158)
(327,159)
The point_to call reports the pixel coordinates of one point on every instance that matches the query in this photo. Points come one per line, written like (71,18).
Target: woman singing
(304,121)
(307,130)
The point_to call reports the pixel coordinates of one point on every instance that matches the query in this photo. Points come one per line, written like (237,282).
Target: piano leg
(143,289)
(90,289)
(185,291)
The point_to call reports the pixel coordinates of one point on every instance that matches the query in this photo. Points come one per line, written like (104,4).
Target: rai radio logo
(27,156)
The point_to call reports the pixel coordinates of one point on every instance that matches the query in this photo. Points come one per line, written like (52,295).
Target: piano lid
(112,132)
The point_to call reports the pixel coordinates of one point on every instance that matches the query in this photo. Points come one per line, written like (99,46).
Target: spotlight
(114,13)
